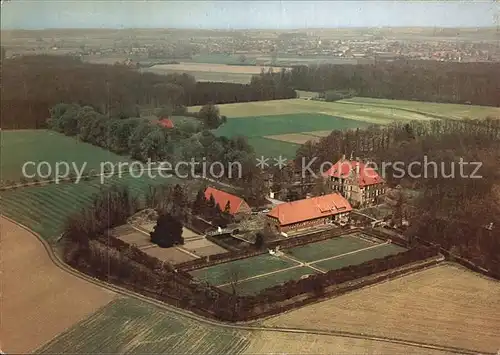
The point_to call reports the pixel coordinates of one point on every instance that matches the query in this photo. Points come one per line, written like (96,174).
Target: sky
(38,14)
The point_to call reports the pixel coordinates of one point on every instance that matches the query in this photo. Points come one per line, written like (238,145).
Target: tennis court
(330,247)
(261,282)
(254,274)
(359,257)
(242,269)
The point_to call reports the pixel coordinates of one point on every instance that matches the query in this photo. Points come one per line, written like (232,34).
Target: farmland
(230,68)
(267,133)
(130,326)
(18,147)
(361,109)
(258,126)
(241,74)
(460,307)
(39,300)
(45,209)
(312,344)
(254,274)
(279,127)
(454,111)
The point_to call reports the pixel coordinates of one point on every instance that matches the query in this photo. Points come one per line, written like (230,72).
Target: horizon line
(248,29)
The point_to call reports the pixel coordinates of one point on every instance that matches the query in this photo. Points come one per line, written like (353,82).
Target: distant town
(272,47)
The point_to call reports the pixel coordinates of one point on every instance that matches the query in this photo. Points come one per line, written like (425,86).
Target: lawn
(18,147)
(254,286)
(45,209)
(360,257)
(328,248)
(130,326)
(241,269)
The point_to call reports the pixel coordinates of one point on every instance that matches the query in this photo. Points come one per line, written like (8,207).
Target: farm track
(60,264)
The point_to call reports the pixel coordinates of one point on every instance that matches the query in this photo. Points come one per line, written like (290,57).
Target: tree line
(31,85)
(474,83)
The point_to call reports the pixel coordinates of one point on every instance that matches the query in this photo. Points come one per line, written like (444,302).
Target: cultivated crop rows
(45,209)
(129,326)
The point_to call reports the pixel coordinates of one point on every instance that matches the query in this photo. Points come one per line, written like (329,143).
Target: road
(248,326)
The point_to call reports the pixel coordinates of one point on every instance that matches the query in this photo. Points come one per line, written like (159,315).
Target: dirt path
(38,299)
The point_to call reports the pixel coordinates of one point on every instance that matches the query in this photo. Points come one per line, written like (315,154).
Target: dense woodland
(474,83)
(144,140)
(31,85)
(459,212)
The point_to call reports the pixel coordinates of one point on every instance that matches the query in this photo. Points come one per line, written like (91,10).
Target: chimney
(357,166)
(343,157)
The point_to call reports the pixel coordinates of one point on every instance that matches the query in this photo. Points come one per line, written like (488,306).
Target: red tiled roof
(222,197)
(310,208)
(343,169)
(166,122)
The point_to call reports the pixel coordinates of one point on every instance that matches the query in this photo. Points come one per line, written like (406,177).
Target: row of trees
(475,83)
(211,210)
(31,85)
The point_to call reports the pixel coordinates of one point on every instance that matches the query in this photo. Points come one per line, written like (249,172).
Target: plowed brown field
(308,344)
(38,300)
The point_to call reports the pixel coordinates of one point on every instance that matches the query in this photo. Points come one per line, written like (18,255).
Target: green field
(45,209)
(131,326)
(254,286)
(328,248)
(258,120)
(454,111)
(18,147)
(241,269)
(255,128)
(360,257)
(259,126)
(272,148)
(361,109)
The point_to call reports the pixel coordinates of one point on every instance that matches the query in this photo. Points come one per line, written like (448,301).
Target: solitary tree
(227,208)
(199,203)
(167,232)
(210,115)
(210,207)
(259,240)
(179,203)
